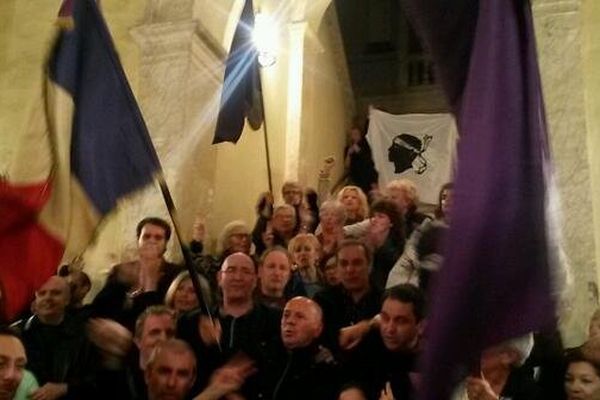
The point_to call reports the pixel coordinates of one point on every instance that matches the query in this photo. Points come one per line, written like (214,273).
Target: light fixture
(265,37)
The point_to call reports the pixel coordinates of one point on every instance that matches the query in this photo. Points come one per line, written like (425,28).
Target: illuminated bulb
(265,37)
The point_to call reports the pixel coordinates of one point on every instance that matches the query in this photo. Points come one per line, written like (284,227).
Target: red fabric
(29,254)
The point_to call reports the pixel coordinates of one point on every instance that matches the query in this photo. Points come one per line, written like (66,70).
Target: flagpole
(266,136)
(187,256)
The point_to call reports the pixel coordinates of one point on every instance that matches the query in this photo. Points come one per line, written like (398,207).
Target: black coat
(251,334)
(370,365)
(61,354)
(300,374)
(340,310)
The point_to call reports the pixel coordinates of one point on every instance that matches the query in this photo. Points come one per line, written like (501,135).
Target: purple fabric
(495,281)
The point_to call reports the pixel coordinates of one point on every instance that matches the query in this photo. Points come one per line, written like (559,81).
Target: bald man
(239,323)
(303,370)
(59,353)
(301,323)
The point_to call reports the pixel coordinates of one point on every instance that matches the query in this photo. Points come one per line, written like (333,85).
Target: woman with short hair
(305,250)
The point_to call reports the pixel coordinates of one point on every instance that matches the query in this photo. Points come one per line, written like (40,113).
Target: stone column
(559,35)
(295,81)
(178,92)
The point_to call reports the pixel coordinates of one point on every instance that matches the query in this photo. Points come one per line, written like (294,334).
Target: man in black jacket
(389,353)
(133,286)
(304,370)
(352,303)
(59,353)
(240,324)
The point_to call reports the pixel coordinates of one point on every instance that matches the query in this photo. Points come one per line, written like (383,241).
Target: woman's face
(267,236)
(380,223)
(329,219)
(305,255)
(351,201)
(185,298)
(239,242)
(582,381)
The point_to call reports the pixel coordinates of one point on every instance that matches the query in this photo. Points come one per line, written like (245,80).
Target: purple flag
(495,281)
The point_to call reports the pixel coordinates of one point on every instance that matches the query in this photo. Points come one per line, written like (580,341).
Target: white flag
(419,147)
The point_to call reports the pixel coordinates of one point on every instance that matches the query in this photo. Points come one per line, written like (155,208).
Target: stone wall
(559,30)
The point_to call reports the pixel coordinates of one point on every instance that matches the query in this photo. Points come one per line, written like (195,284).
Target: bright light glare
(265,37)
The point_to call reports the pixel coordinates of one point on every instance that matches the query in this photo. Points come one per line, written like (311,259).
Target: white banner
(419,147)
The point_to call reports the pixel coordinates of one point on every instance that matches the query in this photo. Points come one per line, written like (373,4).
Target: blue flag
(495,280)
(241,97)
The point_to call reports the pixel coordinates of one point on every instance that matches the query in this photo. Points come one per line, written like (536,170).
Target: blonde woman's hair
(182,276)
(304,238)
(362,197)
(407,186)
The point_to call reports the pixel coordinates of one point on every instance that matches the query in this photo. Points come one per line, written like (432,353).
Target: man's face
(52,299)
(12,364)
(301,323)
(171,375)
(292,194)
(237,277)
(275,272)
(284,220)
(157,328)
(398,327)
(153,235)
(354,268)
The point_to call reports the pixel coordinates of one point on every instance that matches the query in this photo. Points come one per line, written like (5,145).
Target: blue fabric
(111,151)
(241,96)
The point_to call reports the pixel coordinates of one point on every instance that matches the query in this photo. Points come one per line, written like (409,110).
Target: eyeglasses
(231,270)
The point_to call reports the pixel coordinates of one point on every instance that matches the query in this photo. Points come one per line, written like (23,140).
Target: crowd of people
(324,298)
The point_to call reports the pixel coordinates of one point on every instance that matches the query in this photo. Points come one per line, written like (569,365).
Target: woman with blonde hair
(332,214)
(305,250)
(181,295)
(355,203)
